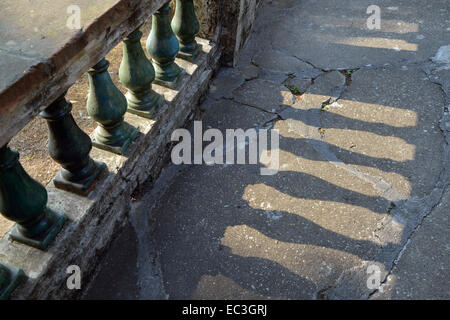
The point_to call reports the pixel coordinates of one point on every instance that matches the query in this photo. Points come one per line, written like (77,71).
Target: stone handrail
(41,69)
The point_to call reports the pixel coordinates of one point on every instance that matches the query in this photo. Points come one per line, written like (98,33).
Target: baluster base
(190,56)
(126,129)
(172,84)
(146,106)
(16,276)
(83,187)
(42,241)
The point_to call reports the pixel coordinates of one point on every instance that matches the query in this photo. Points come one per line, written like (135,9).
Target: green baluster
(136,73)
(107,105)
(24,201)
(185,25)
(162,45)
(70,146)
(10,278)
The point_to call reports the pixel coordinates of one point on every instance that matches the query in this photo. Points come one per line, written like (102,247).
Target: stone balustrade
(101,170)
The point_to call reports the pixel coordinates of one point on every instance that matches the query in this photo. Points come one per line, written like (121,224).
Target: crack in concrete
(386,190)
(429,202)
(288,53)
(248,105)
(428,69)
(442,184)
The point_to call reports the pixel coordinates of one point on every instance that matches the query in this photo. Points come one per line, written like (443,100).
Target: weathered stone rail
(73,220)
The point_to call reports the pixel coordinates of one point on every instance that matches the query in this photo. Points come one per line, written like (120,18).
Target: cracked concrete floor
(364,167)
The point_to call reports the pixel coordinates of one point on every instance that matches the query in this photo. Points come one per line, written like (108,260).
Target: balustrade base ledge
(147,113)
(190,56)
(133,132)
(42,242)
(82,188)
(171,84)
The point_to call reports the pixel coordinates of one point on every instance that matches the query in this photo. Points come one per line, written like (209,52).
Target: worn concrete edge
(95,221)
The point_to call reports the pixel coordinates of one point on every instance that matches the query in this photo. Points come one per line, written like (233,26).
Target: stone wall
(247,16)
(208,13)
(228,22)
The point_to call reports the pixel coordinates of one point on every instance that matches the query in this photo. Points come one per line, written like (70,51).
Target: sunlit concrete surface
(364,165)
